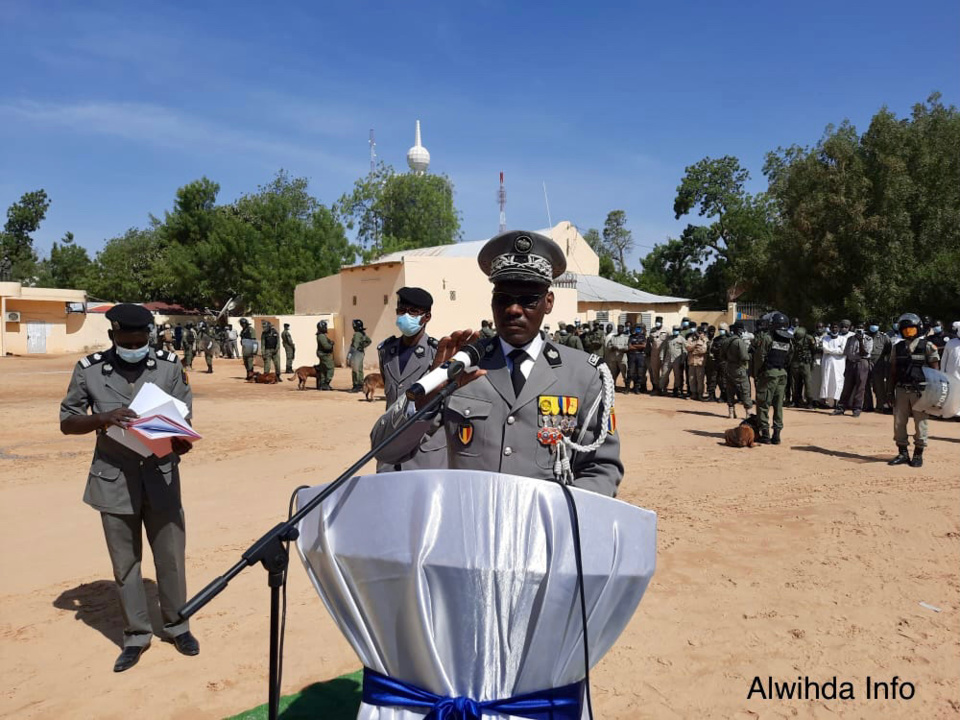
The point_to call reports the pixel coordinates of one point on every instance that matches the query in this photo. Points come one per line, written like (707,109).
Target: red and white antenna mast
(502,198)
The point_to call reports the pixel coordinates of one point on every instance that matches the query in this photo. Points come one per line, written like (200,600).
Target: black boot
(764,438)
(775,440)
(903,458)
(917,457)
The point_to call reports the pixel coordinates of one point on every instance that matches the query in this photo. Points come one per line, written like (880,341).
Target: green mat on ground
(337,699)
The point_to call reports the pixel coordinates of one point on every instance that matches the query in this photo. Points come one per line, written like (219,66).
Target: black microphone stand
(271,551)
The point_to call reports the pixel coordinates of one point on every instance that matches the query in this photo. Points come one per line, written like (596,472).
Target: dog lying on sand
(303,374)
(744,434)
(263,378)
(371,383)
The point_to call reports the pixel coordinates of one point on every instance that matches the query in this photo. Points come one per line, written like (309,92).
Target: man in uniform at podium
(506,415)
(130,491)
(403,361)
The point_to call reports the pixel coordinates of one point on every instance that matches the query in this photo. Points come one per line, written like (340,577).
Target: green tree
(391,211)
(741,224)
(16,241)
(123,270)
(69,266)
(607,267)
(617,239)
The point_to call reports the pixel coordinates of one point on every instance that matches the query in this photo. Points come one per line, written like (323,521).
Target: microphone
(466,359)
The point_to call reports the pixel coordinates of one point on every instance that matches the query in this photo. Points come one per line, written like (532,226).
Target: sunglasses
(526,301)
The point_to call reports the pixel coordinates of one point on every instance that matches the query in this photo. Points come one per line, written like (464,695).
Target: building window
(603,315)
(453,294)
(354,299)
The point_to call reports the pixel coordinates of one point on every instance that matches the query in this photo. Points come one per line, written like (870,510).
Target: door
(36,337)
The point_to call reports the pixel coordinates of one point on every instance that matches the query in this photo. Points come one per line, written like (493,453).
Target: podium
(464,583)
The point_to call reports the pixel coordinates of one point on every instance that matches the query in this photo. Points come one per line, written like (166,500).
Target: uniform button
(467,411)
(511,420)
(508,451)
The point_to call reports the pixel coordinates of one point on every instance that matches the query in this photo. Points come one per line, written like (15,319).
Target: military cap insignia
(522,244)
(465,433)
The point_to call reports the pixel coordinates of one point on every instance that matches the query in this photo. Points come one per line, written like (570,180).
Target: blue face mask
(874,328)
(685,325)
(132,356)
(676,332)
(408,324)
(938,329)
(658,325)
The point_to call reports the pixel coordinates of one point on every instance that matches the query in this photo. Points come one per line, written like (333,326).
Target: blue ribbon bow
(562,703)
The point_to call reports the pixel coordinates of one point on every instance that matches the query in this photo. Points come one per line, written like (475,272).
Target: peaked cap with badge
(129,317)
(415,297)
(521,256)
(489,425)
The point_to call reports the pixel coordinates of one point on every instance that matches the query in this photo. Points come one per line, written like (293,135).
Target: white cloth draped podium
(463,583)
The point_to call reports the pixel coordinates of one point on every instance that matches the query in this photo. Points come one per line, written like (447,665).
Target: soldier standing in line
(360,342)
(908,358)
(270,349)
(569,338)
(718,353)
(593,340)
(801,369)
(168,337)
(696,351)
(636,361)
(189,344)
(248,345)
(710,366)
(207,344)
(133,492)
(671,362)
(289,349)
(324,365)
(687,328)
(877,399)
(773,356)
(655,338)
(737,379)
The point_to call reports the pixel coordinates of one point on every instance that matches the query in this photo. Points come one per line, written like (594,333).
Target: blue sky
(112,106)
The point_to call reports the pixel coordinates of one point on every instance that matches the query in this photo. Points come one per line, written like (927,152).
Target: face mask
(844,331)
(722,333)
(132,356)
(657,325)
(676,332)
(831,333)
(685,325)
(874,328)
(938,329)
(408,324)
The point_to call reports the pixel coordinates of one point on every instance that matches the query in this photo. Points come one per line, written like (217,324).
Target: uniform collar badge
(151,363)
(107,369)
(419,352)
(97,356)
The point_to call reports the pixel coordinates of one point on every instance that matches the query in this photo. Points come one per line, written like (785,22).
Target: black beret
(522,256)
(415,297)
(127,316)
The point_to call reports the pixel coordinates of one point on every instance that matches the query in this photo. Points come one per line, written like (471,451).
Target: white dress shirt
(532,349)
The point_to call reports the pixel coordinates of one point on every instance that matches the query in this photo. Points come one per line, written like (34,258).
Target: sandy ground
(809,559)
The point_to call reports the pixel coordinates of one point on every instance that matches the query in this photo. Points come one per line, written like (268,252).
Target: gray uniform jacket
(431,452)
(489,428)
(118,476)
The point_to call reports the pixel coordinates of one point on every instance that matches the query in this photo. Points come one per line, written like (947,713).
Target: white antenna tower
(502,198)
(373,151)
(547,201)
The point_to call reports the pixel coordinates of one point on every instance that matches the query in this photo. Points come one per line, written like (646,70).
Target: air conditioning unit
(12,316)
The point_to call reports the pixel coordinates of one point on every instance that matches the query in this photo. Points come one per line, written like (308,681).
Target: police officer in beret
(133,492)
(404,359)
(507,415)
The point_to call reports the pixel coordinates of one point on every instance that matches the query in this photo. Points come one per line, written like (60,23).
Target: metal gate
(36,337)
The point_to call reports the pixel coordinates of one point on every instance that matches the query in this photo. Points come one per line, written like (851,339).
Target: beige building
(47,320)
(461,292)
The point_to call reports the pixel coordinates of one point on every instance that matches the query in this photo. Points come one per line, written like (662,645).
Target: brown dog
(371,383)
(303,373)
(743,435)
(263,378)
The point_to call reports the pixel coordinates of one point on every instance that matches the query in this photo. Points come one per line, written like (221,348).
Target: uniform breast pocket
(466,419)
(103,469)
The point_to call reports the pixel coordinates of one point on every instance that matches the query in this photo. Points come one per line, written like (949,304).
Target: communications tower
(502,198)
(373,151)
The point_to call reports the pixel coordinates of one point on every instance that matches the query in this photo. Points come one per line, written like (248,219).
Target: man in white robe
(833,363)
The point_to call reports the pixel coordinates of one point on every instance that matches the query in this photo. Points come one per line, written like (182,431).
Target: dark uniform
(289,349)
(248,345)
(570,339)
(360,342)
(189,346)
(637,361)
(878,390)
(908,358)
(270,348)
(801,369)
(509,420)
(737,378)
(773,356)
(207,344)
(133,492)
(324,366)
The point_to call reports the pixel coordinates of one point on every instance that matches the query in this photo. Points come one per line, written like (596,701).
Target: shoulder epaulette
(594,360)
(382,343)
(91,360)
(552,355)
(168,356)
(432,341)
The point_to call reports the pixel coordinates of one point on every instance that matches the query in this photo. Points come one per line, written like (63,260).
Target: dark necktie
(516,375)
